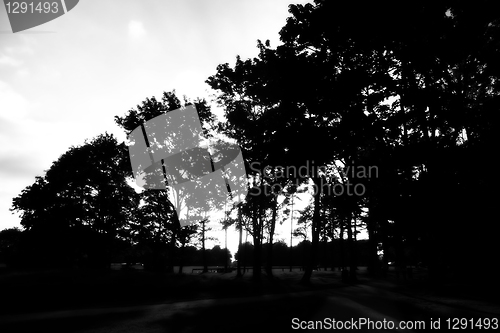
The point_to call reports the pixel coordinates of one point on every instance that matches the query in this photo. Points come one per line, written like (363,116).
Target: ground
(145,302)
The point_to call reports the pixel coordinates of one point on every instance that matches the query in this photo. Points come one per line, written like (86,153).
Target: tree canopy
(82,201)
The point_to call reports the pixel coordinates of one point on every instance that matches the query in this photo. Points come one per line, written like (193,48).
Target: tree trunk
(332,253)
(226,251)
(205,267)
(316,227)
(341,245)
(333,240)
(373,261)
(181,258)
(269,267)
(352,251)
(170,266)
(257,251)
(325,254)
(291,236)
(325,244)
(240,226)
(245,253)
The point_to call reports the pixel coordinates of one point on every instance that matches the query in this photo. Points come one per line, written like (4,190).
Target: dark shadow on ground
(254,315)
(109,301)
(76,322)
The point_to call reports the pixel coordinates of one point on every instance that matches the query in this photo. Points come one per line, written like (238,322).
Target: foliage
(81,206)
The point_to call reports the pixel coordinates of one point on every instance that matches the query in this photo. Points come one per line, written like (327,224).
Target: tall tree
(161,202)
(83,204)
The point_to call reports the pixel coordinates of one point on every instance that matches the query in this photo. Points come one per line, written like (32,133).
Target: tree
(155,230)
(82,205)
(177,169)
(10,241)
(186,235)
(202,236)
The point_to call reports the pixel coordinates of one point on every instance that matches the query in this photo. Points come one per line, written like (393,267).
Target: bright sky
(63,82)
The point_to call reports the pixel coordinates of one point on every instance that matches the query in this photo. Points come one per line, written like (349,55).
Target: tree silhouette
(177,169)
(81,206)
(416,102)
(10,241)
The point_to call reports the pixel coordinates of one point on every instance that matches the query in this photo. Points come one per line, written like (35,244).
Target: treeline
(17,251)
(384,114)
(329,255)
(22,249)
(411,90)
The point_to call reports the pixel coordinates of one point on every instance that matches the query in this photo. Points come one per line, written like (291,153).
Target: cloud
(9,61)
(136,29)
(22,48)
(11,56)
(13,106)
(23,72)
(19,165)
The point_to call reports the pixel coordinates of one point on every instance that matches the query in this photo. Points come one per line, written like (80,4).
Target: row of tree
(331,255)
(409,89)
(17,251)
(394,103)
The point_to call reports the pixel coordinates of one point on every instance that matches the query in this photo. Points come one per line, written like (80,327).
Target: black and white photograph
(249,166)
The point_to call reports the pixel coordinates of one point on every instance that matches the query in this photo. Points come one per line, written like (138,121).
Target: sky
(64,81)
